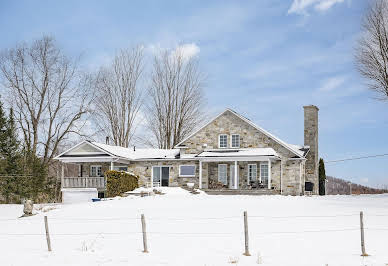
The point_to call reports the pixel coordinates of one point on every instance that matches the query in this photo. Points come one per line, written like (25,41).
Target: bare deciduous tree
(175,103)
(372,48)
(47,93)
(118,96)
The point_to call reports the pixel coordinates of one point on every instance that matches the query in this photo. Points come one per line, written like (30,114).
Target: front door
(165,176)
(231,181)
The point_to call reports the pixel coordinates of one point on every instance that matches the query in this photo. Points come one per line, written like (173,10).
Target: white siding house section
(77,195)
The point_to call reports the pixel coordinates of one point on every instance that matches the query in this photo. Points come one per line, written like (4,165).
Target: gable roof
(138,154)
(126,153)
(299,151)
(63,154)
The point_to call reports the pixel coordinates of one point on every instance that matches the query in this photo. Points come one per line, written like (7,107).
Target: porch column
(111,166)
(281,177)
(269,174)
(63,175)
(200,174)
(235,175)
(300,178)
(152,176)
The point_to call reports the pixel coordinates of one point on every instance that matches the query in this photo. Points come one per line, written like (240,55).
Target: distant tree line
(329,185)
(337,186)
(49,102)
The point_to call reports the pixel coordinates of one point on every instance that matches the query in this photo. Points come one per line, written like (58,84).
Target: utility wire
(358,158)
(187,218)
(187,233)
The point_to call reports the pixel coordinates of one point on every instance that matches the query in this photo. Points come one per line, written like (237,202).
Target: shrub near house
(119,182)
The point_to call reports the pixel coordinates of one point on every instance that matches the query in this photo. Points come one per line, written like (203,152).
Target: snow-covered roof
(290,147)
(138,154)
(239,152)
(302,150)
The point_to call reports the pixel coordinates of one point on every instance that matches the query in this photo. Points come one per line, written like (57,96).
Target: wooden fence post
(143,227)
(246,234)
(363,253)
(47,233)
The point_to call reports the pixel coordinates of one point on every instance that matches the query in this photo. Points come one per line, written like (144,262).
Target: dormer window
(223,141)
(235,141)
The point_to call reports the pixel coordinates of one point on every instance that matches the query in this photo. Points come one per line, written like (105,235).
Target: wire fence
(32,218)
(222,219)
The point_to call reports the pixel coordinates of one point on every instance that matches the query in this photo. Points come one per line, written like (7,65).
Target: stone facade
(292,181)
(289,170)
(143,169)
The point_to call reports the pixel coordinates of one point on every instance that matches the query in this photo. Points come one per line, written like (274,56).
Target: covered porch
(89,173)
(232,171)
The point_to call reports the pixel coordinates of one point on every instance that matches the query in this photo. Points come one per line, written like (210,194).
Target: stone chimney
(311,139)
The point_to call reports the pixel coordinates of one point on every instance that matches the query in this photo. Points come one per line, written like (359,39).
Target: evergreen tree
(322,177)
(4,180)
(11,148)
(10,155)
(34,180)
(22,173)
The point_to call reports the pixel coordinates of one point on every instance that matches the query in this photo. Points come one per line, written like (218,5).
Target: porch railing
(84,182)
(154,184)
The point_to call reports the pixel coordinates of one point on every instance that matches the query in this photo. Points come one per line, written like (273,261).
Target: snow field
(186,229)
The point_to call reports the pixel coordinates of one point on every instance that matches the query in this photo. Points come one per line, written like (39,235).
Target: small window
(187,170)
(223,141)
(264,173)
(252,172)
(222,173)
(96,170)
(235,141)
(121,168)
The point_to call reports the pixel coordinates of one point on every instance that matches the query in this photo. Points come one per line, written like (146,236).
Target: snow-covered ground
(186,229)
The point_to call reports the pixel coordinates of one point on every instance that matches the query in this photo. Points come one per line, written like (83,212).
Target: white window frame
(195,168)
(249,177)
(264,163)
(226,173)
(153,172)
(95,166)
(159,183)
(116,168)
(219,141)
(231,140)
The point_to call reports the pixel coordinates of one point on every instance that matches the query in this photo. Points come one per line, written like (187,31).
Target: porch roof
(252,152)
(138,154)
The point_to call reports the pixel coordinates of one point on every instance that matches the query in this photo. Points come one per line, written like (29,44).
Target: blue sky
(265,59)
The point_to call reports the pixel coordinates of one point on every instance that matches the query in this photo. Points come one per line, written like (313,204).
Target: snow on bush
(119,182)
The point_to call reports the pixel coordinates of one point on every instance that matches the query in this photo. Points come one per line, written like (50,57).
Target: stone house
(229,154)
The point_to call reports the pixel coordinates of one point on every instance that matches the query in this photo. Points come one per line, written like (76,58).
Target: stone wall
(250,137)
(144,170)
(291,183)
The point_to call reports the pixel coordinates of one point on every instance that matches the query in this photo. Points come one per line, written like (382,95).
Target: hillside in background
(337,186)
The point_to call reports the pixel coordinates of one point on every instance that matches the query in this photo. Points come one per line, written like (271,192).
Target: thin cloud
(332,84)
(301,6)
(188,50)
